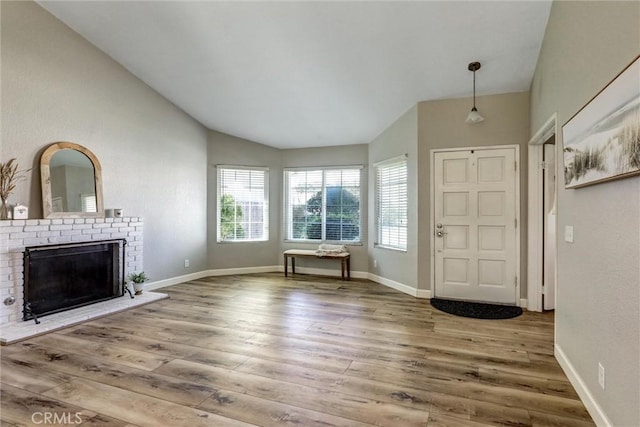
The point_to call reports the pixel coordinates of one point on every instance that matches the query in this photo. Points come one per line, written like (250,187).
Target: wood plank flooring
(306,351)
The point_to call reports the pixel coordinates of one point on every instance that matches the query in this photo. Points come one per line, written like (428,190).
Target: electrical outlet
(601,375)
(186,263)
(568,233)
(375,263)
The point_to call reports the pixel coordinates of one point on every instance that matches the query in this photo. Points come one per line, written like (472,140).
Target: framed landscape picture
(602,141)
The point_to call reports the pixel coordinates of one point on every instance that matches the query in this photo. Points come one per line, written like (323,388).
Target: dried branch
(9,177)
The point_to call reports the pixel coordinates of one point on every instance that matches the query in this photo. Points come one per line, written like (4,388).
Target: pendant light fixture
(474,116)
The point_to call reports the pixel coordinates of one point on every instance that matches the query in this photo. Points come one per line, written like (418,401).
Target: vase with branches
(9,177)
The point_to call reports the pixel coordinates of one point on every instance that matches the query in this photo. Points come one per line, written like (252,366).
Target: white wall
(398,139)
(56,86)
(586,45)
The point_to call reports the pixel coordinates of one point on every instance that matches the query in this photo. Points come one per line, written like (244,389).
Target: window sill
(389,248)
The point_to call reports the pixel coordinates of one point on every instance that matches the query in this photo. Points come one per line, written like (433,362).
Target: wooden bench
(344,258)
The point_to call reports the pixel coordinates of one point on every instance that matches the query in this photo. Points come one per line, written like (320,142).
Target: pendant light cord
(474,91)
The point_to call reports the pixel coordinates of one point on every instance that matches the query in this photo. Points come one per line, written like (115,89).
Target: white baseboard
(524,303)
(243,270)
(596,412)
(206,273)
(418,293)
(423,293)
(175,280)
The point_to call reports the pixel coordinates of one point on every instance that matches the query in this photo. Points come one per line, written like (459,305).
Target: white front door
(475,225)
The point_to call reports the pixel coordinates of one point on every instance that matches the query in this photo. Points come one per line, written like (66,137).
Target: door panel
(457,237)
(491,203)
(491,169)
(491,272)
(456,271)
(475,233)
(456,204)
(455,171)
(491,238)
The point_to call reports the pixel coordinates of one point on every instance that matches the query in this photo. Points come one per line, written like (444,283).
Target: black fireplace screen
(62,277)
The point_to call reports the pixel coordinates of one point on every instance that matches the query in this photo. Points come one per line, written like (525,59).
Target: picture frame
(601,142)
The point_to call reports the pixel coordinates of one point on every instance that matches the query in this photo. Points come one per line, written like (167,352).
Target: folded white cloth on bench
(326,249)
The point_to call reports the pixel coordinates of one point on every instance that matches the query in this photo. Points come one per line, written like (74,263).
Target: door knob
(440,233)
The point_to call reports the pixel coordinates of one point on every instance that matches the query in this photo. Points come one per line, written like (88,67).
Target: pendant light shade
(474,116)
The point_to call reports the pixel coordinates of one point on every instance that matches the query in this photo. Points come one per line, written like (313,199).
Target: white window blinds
(243,204)
(391,203)
(323,205)
(89,203)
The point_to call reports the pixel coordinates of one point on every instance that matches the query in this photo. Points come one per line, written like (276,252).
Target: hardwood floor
(305,351)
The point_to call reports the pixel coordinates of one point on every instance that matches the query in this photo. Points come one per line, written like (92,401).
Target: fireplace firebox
(66,276)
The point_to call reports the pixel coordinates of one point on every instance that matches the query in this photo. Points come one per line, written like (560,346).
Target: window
(243,204)
(88,202)
(323,205)
(391,203)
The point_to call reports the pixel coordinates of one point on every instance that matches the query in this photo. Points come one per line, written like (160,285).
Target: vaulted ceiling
(309,74)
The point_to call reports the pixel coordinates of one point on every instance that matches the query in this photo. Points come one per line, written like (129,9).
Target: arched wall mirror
(71,182)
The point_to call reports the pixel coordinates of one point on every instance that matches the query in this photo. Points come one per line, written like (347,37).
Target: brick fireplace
(18,234)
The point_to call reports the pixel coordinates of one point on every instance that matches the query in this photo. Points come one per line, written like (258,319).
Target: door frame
(535,257)
(519,301)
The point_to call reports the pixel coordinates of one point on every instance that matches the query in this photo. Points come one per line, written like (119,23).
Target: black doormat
(476,310)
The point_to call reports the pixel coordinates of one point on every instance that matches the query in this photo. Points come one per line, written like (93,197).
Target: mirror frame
(45,176)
